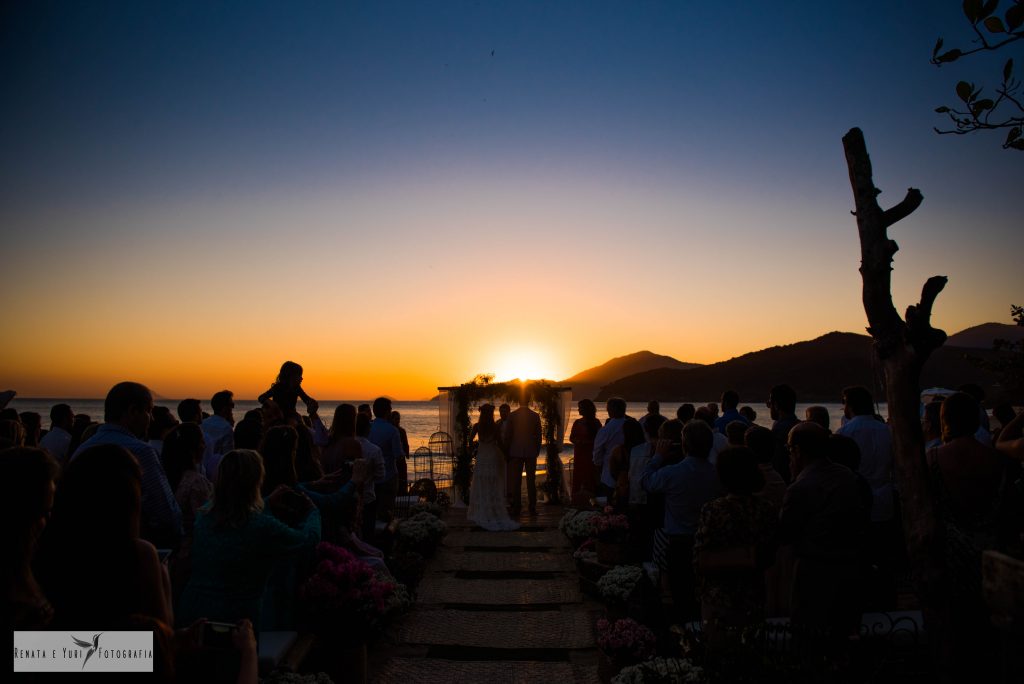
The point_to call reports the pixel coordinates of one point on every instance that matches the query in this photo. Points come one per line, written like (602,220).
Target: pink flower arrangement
(611,526)
(343,593)
(625,640)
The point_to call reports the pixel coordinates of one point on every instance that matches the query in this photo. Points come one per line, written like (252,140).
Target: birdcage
(442,461)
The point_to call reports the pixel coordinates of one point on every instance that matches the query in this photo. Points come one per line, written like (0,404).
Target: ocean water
(419,418)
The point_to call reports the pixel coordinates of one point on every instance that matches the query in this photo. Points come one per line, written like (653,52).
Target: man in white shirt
(609,437)
(874,439)
(58,439)
(219,432)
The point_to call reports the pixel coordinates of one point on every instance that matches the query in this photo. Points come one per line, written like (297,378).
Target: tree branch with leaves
(975,111)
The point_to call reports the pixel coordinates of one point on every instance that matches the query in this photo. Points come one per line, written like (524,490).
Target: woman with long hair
(182,456)
(487,491)
(26,494)
(584,431)
(342,446)
(93,566)
(237,543)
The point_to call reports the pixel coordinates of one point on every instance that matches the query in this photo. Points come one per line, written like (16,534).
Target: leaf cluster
(1004,110)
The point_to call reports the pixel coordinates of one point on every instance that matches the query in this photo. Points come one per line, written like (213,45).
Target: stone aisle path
(496,607)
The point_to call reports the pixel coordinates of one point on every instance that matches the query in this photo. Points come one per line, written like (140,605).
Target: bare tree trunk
(903,347)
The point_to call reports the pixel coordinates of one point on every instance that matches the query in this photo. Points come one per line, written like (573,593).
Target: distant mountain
(587,384)
(817,369)
(981,336)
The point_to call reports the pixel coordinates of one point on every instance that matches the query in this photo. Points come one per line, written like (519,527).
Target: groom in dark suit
(523,446)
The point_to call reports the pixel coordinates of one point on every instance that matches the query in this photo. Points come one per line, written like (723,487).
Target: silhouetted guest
(779,577)
(653,413)
(364,409)
(182,459)
(190,411)
(307,453)
(609,437)
(58,439)
(970,473)
(967,477)
(287,390)
(1004,414)
(749,413)
(735,431)
(271,414)
(687,486)
(582,436)
(633,437)
(782,410)
(824,517)
(126,413)
(761,443)
(503,426)
(162,423)
(730,411)
(12,434)
(819,415)
(684,414)
(33,424)
(377,472)
(1011,438)
(844,451)
(931,425)
(219,431)
(249,430)
(237,543)
(386,436)
(734,544)
(278,451)
(26,495)
(10,414)
(93,565)
(984,433)
(342,446)
(874,439)
(403,462)
(718,440)
(524,442)
(82,423)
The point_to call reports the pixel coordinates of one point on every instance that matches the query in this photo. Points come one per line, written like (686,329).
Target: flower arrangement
(343,593)
(577,525)
(611,526)
(426,507)
(626,640)
(421,533)
(408,567)
(663,671)
(619,583)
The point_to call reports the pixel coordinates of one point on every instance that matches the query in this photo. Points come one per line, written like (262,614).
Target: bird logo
(85,644)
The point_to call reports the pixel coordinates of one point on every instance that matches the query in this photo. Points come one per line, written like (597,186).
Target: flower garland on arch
(480,389)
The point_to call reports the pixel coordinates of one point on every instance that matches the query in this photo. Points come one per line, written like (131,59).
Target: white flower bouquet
(662,671)
(619,583)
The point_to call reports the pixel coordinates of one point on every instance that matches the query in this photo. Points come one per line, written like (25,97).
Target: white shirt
(720,443)
(608,437)
(220,439)
(875,441)
(56,441)
(373,455)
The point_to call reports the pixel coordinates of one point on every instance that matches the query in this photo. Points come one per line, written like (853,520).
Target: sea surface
(419,418)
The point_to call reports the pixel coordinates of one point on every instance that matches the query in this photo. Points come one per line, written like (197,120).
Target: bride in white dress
(487,491)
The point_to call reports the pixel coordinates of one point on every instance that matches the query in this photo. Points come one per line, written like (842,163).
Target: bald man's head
(807,442)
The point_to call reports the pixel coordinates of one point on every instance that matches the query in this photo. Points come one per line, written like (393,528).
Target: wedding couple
(517,438)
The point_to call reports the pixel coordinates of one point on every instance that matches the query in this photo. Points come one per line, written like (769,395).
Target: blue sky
(680,145)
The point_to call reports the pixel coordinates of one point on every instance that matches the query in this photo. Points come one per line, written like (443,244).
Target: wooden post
(902,347)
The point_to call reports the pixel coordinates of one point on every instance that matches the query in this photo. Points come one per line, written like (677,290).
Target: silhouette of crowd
(744,523)
(175,523)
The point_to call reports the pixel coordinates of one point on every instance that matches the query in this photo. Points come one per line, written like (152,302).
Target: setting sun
(525,364)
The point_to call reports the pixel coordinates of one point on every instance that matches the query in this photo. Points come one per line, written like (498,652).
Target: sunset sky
(400,195)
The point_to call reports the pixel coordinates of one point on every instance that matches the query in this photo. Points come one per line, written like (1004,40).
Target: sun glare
(525,364)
